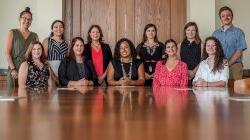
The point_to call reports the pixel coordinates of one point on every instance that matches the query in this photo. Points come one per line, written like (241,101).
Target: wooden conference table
(125,113)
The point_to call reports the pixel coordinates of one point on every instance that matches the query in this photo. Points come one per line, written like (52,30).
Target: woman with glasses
(17,43)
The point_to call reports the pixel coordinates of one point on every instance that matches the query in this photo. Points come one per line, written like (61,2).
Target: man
(233,41)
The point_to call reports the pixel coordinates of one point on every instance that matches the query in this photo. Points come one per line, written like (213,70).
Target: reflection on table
(124,113)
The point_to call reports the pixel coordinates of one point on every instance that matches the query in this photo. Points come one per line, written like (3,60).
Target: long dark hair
(98,28)
(71,51)
(164,61)
(197,36)
(52,25)
(28,53)
(144,39)
(219,54)
(117,54)
(25,11)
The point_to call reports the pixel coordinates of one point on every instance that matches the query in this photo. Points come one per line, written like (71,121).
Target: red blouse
(97,57)
(178,77)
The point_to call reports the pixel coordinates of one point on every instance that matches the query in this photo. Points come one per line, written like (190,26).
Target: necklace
(129,74)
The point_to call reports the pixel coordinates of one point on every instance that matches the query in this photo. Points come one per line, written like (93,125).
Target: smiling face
(190,32)
(36,51)
(58,29)
(78,48)
(95,34)
(226,17)
(150,33)
(210,47)
(171,49)
(125,51)
(25,20)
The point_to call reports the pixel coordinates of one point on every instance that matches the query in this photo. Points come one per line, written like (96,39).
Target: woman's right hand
(14,74)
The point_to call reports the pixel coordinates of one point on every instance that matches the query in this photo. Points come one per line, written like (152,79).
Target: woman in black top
(190,49)
(76,70)
(34,72)
(125,69)
(99,52)
(149,51)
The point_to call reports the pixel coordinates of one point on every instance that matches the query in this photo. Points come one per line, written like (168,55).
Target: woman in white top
(213,71)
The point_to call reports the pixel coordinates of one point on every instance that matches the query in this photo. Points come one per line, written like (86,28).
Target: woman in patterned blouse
(171,71)
(34,72)
(55,47)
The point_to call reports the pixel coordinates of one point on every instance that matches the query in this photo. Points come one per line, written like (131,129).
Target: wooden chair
(242,86)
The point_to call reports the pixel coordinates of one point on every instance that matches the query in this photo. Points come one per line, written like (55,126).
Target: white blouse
(205,73)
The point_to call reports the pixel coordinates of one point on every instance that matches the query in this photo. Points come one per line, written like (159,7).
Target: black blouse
(190,53)
(37,77)
(119,72)
(69,71)
(150,55)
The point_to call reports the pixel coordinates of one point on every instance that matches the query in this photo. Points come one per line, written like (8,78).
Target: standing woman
(17,43)
(125,69)
(55,47)
(149,51)
(98,52)
(213,71)
(170,72)
(34,72)
(190,49)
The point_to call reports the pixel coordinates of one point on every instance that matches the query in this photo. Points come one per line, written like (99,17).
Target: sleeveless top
(57,50)
(20,45)
(150,55)
(37,77)
(118,72)
(190,53)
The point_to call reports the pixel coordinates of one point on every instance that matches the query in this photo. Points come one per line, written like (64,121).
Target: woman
(98,52)
(150,51)
(125,69)
(17,43)
(34,72)
(75,70)
(55,47)
(190,49)
(213,71)
(170,72)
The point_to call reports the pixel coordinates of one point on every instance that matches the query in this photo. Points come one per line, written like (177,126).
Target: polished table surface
(125,113)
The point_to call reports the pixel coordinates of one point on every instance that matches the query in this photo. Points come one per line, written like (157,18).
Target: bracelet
(12,69)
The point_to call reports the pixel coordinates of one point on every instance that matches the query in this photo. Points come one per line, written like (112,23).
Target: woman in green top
(17,43)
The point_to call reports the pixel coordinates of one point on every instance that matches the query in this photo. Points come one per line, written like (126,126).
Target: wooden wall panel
(67,18)
(178,19)
(125,19)
(152,11)
(76,18)
(101,12)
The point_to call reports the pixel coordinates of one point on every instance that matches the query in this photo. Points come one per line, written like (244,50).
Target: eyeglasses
(28,19)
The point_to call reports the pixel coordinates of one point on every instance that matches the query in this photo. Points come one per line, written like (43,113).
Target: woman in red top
(99,52)
(171,71)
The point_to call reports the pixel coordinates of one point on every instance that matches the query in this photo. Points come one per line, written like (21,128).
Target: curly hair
(219,54)
(117,54)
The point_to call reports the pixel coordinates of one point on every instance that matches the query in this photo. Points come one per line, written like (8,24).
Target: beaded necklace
(129,74)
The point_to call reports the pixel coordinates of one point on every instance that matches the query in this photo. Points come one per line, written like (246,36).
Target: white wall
(44,12)
(241,19)
(203,13)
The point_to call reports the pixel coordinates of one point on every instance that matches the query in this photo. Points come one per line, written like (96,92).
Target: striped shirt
(57,50)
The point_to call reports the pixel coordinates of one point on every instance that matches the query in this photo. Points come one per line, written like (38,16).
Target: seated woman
(213,70)
(125,69)
(75,70)
(171,72)
(34,72)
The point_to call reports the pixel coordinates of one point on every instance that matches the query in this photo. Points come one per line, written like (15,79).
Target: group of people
(151,63)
